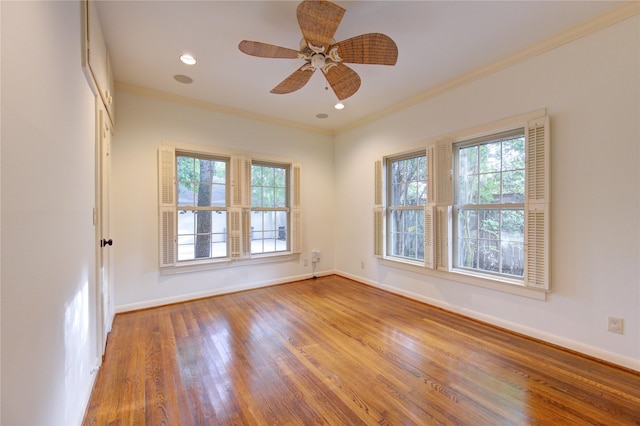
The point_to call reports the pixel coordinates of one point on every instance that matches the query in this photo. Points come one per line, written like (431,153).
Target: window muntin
(201,206)
(270,188)
(489,212)
(406,197)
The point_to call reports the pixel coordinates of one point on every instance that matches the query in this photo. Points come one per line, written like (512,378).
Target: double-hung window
(219,207)
(202,206)
(270,216)
(488,215)
(407,195)
(481,205)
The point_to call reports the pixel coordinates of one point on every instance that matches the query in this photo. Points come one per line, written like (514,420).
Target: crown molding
(170,97)
(586,28)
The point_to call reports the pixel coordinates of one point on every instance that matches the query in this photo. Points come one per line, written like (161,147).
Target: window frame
(391,208)
(238,208)
(211,208)
(457,205)
(286,209)
(440,204)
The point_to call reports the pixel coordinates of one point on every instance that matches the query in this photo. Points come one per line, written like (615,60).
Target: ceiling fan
(319,20)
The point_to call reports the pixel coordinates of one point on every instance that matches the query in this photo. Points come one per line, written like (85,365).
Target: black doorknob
(105,243)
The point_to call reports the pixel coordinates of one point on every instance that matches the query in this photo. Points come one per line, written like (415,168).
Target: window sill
(223,263)
(505,286)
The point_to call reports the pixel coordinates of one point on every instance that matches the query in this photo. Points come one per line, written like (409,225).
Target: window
(488,217)
(407,195)
(269,208)
(473,209)
(202,206)
(220,207)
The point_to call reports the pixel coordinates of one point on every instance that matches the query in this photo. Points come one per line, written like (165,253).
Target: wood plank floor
(332,351)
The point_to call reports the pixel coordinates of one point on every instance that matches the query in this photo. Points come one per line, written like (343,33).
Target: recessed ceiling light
(339,105)
(322,115)
(188,59)
(183,79)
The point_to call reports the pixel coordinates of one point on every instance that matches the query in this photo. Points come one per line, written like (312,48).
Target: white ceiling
(437,42)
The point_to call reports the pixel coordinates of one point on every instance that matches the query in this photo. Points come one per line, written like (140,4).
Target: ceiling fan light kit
(318,21)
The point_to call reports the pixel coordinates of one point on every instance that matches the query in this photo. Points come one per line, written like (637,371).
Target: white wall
(143,123)
(591,90)
(48,193)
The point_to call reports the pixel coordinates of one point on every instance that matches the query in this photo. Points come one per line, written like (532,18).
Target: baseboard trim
(572,345)
(147,304)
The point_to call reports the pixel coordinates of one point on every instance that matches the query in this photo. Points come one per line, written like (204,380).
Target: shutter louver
(536,274)
(296,234)
(538,161)
(428,237)
(167,236)
(444,175)
(378,211)
(378,232)
(443,236)
(235,237)
(240,181)
(166,176)
(537,204)
(246,235)
(166,206)
(431,175)
(377,197)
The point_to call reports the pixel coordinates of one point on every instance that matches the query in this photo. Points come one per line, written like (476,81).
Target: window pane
(468,161)
(408,181)
(489,221)
(513,187)
(468,253)
(488,256)
(489,188)
(467,224)
(201,182)
(490,157)
(406,232)
(268,231)
(201,234)
(513,154)
(468,186)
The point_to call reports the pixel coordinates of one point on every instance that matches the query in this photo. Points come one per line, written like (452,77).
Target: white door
(104,290)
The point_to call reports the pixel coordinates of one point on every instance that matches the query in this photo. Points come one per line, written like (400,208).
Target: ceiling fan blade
(264,50)
(295,81)
(343,80)
(319,20)
(372,48)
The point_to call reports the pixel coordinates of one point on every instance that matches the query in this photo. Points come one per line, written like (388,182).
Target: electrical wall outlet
(315,256)
(362,264)
(616,325)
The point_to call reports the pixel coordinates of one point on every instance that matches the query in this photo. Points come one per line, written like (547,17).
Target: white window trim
(440,202)
(239,204)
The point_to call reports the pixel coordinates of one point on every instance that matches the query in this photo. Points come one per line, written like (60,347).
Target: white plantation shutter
(443,237)
(440,198)
(246,233)
(431,174)
(378,211)
(167,206)
(443,166)
(429,238)
(537,200)
(235,232)
(240,181)
(296,214)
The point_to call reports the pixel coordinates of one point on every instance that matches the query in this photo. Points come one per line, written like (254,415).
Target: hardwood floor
(336,352)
